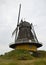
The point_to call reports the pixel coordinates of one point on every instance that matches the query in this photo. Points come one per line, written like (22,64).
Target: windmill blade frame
(14,31)
(17,22)
(34,33)
(19,15)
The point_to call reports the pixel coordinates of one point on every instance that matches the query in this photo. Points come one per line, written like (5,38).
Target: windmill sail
(17,22)
(34,33)
(19,14)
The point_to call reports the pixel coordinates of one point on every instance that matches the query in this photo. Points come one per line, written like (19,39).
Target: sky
(33,11)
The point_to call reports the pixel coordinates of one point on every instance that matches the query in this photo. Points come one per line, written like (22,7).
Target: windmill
(26,38)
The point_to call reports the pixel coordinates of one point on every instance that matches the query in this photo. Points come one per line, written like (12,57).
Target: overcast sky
(33,11)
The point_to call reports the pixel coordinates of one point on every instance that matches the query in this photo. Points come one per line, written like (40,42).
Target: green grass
(22,57)
(17,54)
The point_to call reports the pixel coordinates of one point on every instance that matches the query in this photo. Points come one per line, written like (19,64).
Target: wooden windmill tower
(25,37)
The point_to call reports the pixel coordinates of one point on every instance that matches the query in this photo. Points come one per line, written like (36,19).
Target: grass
(17,54)
(22,57)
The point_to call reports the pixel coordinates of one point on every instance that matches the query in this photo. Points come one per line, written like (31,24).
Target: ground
(22,57)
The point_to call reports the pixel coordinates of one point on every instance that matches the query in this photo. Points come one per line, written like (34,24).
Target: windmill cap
(24,23)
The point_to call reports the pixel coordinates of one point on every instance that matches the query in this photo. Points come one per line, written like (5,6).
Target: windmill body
(25,36)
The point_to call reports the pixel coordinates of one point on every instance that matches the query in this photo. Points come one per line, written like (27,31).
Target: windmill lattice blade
(34,32)
(16,34)
(13,32)
(19,14)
